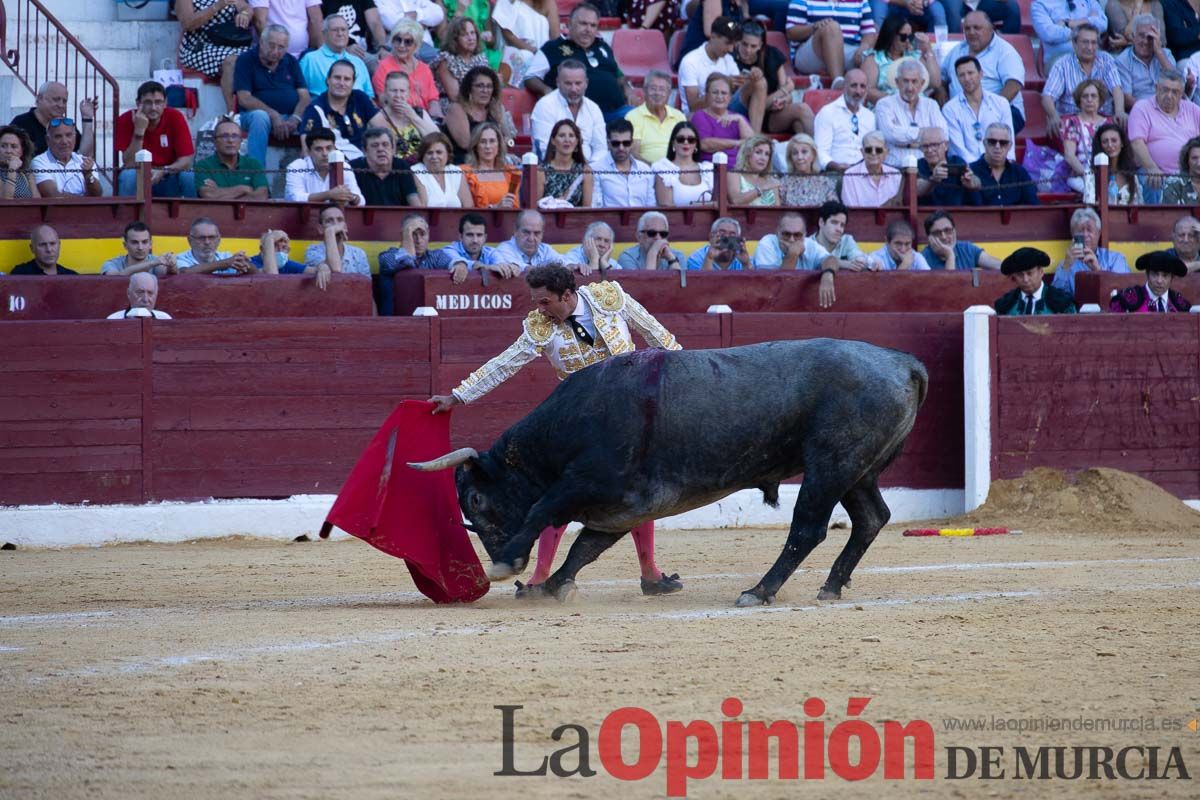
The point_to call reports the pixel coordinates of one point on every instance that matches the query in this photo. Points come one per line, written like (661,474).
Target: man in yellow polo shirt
(654,120)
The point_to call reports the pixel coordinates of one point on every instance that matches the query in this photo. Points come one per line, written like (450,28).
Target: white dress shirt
(834,132)
(614,189)
(553,107)
(45,168)
(902,128)
(303,180)
(967,131)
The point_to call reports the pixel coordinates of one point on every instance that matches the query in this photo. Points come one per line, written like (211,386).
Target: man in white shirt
(901,116)
(143,295)
(62,171)
(969,113)
(308,177)
(526,248)
(840,125)
(568,102)
(716,55)
(621,180)
(789,247)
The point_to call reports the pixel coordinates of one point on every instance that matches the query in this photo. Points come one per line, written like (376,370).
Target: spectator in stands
(215,33)
(654,120)
(751,182)
(46,248)
(493,180)
(1156,294)
(161,130)
(657,15)
(653,250)
(413,252)
(1185,241)
(901,116)
(721,130)
(367,31)
(62,171)
(1027,268)
(840,125)
(478,101)
(872,182)
(804,185)
(568,101)
(51,104)
(1058,97)
(725,251)
(715,57)
(1001,68)
(829,37)
(1159,128)
(1183,34)
(929,14)
(605,85)
(1077,131)
(440,184)
(462,52)
(897,42)
(139,254)
(565,176)
(340,108)
(1140,65)
(940,173)
(383,179)
(422,89)
(308,178)
(270,91)
(274,255)
(227,174)
(898,252)
(1085,253)
(1124,182)
(204,255)
(316,64)
(1057,22)
(970,112)
(431,15)
(526,249)
(16,160)
(525,26)
(946,252)
(1000,182)
(408,125)
(780,114)
(1181,190)
(1002,14)
(681,180)
(471,251)
(1123,24)
(595,254)
(143,296)
(832,237)
(788,247)
(300,18)
(621,181)
(334,253)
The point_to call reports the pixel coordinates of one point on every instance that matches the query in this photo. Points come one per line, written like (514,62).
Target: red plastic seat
(675,48)
(639,51)
(816,99)
(1035,118)
(1034,79)
(519,103)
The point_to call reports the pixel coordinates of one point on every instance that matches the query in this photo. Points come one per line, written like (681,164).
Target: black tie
(580,332)
(1029,304)
(1162,309)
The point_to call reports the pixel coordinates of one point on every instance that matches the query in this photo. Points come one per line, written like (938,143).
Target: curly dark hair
(1185,151)
(553,277)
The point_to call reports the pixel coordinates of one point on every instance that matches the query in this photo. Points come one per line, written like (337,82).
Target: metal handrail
(63,59)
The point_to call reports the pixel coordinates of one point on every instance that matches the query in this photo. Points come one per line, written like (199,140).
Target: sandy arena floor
(247,669)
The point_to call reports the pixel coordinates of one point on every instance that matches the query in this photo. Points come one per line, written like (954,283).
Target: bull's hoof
(666,584)
(829,594)
(531,591)
(567,593)
(500,571)
(748,599)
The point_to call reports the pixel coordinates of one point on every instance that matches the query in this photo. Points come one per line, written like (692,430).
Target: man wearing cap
(574,328)
(1027,266)
(1156,295)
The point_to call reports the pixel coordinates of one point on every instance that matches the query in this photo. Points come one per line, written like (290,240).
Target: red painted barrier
(1097,287)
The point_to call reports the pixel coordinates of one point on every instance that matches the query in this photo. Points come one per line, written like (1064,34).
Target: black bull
(657,433)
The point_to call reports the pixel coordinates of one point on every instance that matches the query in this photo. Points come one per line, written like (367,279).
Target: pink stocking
(643,540)
(547,547)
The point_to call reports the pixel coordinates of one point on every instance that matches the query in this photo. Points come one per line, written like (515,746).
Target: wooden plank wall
(1104,390)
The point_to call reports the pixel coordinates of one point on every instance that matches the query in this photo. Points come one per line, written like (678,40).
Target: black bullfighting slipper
(530,591)
(666,584)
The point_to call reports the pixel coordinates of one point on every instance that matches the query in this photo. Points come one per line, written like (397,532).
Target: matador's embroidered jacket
(613,314)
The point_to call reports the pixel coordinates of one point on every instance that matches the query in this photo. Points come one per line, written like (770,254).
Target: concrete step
(123,64)
(109,35)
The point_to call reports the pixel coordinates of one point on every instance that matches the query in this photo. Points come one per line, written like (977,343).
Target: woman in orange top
(492,179)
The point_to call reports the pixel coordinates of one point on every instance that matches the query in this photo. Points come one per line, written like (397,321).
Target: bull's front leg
(587,548)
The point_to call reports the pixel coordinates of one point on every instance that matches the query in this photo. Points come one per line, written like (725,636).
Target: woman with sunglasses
(896,42)
(406,39)
(565,174)
(752,183)
(871,183)
(16,154)
(805,184)
(720,129)
(408,124)
(478,101)
(1124,183)
(1078,130)
(491,177)
(461,52)
(681,180)
(440,184)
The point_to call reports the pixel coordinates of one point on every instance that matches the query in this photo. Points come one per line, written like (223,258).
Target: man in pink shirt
(1160,126)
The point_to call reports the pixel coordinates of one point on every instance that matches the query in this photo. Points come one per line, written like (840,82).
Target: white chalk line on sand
(230,655)
(347,600)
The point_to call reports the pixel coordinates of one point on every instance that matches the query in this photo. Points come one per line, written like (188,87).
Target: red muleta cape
(409,514)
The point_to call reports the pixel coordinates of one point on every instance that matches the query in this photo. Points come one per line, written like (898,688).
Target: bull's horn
(460,456)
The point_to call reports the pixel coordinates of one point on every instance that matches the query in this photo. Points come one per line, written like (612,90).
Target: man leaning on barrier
(139,254)
(653,249)
(46,248)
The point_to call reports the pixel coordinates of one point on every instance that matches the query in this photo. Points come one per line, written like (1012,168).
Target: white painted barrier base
(74,526)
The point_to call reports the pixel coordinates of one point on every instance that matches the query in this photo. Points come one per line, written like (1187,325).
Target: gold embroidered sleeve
(645,324)
(608,295)
(499,369)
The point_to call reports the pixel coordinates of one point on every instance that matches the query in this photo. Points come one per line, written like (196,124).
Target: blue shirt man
(270,91)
